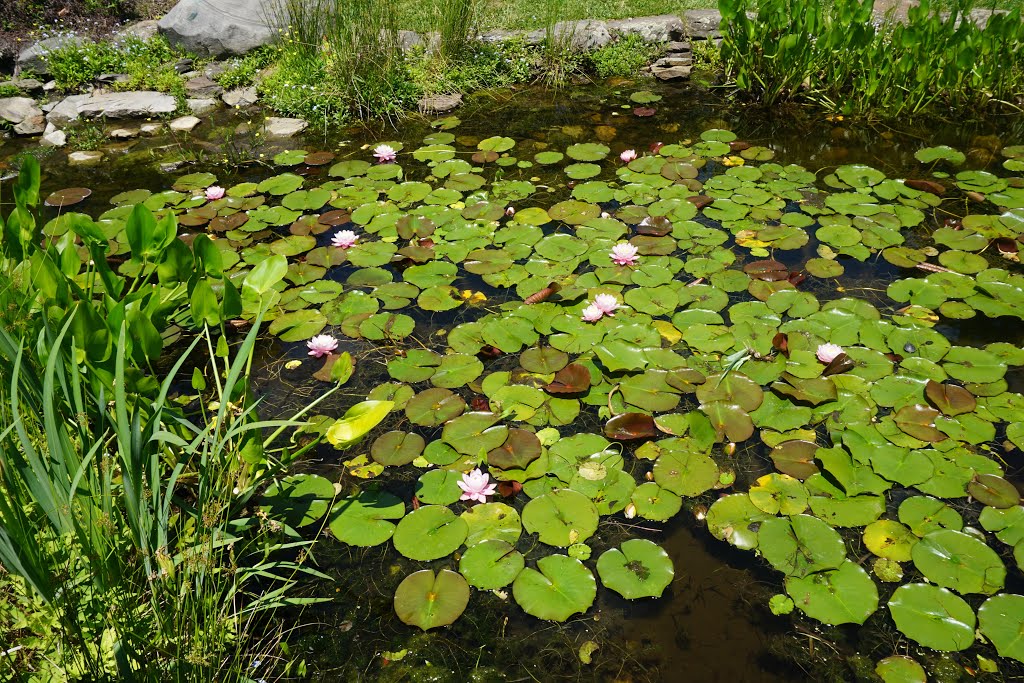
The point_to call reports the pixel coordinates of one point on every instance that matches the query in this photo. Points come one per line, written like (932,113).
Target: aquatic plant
(787,50)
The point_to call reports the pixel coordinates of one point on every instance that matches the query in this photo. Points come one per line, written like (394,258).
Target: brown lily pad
(993,491)
(572,379)
(68,197)
(949,398)
(318,158)
(795,458)
(919,422)
(767,270)
(929,186)
(521,447)
(630,426)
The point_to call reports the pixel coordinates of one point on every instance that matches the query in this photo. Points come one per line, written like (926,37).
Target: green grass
(516,15)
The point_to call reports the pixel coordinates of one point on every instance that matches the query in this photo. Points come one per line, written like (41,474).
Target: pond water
(713,622)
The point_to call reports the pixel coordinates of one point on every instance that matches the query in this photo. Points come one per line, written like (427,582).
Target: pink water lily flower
(214,192)
(385,153)
(628,156)
(592,314)
(476,485)
(321,345)
(510,211)
(828,352)
(624,254)
(606,303)
(344,239)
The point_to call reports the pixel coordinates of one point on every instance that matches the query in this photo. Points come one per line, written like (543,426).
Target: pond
(831,357)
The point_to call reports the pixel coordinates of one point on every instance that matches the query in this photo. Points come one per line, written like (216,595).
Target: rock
(438,104)
(184,124)
(276,127)
(122,105)
(202,86)
(150,129)
(183,65)
(27,85)
(50,86)
(201,106)
(677,46)
(123,133)
(215,69)
(240,97)
(672,73)
(66,110)
(143,30)
(701,24)
(27,117)
(53,137)
(656,29)
(108,79)
(33,58)
(85,158)
(582,36)
(667,62)
(409,39)
(222,27)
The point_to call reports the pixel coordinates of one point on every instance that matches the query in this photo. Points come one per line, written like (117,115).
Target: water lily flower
(476,485)
(828,352)
(385,153)
(624,254)
(628,156)
(592,314)
(605,303)
(344,239)
(605,214)
(510,211)
(214,192)
(322,345)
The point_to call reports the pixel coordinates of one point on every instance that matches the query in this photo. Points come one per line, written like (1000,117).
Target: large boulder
(125,105)
(657,29)
(25,115)
(225,27)
(702,24)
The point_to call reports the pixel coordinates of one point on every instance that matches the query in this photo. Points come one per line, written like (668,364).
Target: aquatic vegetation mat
(555,338)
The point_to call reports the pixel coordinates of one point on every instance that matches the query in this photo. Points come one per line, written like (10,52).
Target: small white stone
(123,133)
(85,158)
(184,124)
(151,128)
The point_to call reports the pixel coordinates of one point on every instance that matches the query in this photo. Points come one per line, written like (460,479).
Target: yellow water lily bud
(630,511)
(292,364)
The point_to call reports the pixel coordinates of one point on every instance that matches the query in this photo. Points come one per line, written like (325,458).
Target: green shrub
(148,62)
(242,71)
(624,57)
(10,91)
(486,65)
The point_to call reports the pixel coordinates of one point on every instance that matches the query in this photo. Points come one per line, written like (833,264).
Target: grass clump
(486,65)
(8,90)
(242,71)
(624,57)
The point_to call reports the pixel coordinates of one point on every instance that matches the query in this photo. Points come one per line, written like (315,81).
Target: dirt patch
(22,22)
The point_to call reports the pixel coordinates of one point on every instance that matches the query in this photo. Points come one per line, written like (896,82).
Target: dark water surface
(713,624)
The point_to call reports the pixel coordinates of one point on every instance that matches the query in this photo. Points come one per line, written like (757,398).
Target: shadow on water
(713,623)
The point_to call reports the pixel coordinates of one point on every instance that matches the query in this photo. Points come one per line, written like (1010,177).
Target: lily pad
(956,560)
(362,520)
(298,500)
(1001,620)
(561,517)
(846,595)
(559,588)
(429,600)
(491,564)
(932,616)
(636,569)
(430,533)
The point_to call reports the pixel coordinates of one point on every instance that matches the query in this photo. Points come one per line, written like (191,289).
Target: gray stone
(221,27)
(53,137)
(184,124)
(27,85)
(33,58)
(409,40)
(122,105)
(150,129)
(50,86)
(276,127)
(240,97)
(203,87)
(171,166)
(66,110)
(89,158)
(656,29)
(438,104)
(108,79)
(672,73)
(701,24)
(677,46)
(532,38)
(24,114)
(581,36)
(123,133)
(143,30)
(215,69)
(200,106)
(184,65)
(668,62)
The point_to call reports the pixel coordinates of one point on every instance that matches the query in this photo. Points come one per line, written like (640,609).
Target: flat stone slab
(276,127)
(202,105)
(223,27)
(203,87)
(438,104)
(701,24)
(24,114)
(125,105)
(660,28)
(184,124)
(240,97)
(66,110)
(85,158)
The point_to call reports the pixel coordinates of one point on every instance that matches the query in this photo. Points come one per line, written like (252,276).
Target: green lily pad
(779,494)
(561,517)
(1001,620)
(492,521)
(298,500)
(889,539)
(686,473)
(900,669)
(430,533)
(439,487)
(956,560)
(736,520)
(932,616)
(560,587)
(429,600)
(800,545)
(362,520)
(846,595)
(491,564)
(397,448)
(475,433)
(636,569)
(655,503)
(434,407)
